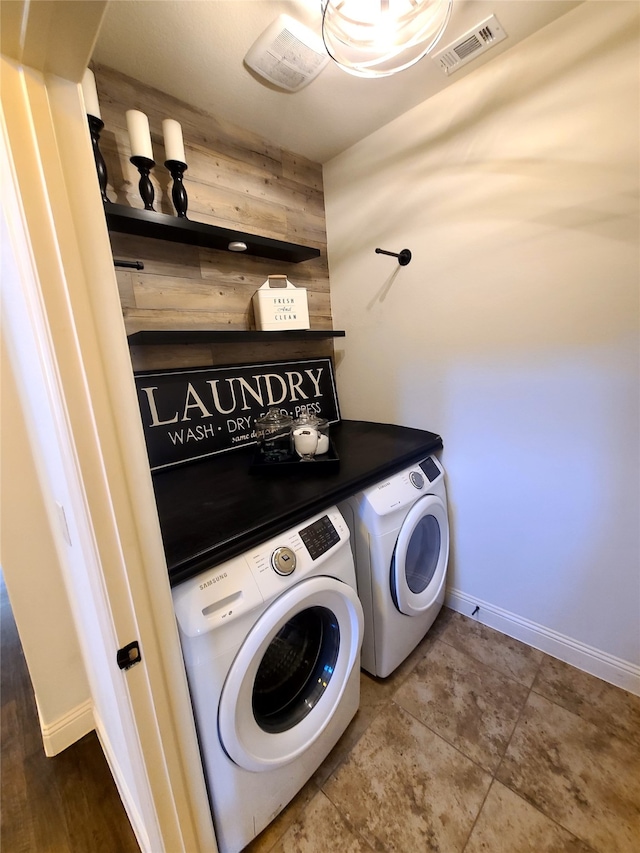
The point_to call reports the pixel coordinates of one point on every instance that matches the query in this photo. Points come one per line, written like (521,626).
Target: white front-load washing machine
(271,643)
(400,539)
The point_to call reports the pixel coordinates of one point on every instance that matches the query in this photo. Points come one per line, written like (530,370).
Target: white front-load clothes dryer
(271,643)
(400,539)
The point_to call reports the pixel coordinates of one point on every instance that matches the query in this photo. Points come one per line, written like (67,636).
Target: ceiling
(194,50)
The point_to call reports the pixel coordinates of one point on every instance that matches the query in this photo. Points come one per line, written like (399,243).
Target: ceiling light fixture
(376,38)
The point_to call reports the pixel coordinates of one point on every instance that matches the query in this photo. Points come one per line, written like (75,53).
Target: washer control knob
(283,561)
(417,479)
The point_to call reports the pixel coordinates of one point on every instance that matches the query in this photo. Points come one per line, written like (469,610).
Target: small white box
(279,306)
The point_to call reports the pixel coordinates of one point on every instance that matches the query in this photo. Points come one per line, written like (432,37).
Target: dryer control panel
(430,468)
(400,489)
(416,479)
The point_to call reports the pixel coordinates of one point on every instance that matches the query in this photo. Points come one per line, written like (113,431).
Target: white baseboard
(615,671)
(67,729)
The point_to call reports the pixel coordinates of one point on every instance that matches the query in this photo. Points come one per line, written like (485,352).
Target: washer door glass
(288,677)
(420,557)
(296,669)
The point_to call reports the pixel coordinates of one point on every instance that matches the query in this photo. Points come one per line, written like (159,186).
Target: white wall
(514,331)
(34,581)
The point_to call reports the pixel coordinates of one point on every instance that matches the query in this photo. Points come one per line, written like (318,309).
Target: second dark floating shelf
(148,223)
(232,336)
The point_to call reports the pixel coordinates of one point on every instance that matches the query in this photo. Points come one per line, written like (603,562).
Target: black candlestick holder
(178,192)
(144,165)
(95,128)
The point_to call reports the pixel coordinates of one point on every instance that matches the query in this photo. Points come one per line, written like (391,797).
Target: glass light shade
(376,38)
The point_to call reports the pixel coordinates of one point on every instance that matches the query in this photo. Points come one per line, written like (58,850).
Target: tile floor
(476,743)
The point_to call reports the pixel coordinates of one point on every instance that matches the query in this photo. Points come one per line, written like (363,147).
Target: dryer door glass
(296,669)
(422,555)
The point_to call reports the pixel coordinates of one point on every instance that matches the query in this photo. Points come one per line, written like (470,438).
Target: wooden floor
(65,804)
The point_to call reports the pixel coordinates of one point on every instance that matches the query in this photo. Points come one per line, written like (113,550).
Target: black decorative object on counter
(403,257)
(178,192)
(327,463)
(95,129)
(144,165)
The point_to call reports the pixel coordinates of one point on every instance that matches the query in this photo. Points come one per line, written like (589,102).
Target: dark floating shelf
(161,226)
(232,336)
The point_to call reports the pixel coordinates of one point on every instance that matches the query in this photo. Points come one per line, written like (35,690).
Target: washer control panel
(291,556)
(220,595)
(283,561)
(319,537)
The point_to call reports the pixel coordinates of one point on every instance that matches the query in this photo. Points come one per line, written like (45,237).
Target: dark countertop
(215,509)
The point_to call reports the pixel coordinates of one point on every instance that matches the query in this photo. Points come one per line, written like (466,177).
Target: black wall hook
(131,265)
(403,257)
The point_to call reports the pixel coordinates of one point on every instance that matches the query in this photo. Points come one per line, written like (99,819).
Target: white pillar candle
(90,94)
(323,444)
(173,142)
(139,134)
(305,441)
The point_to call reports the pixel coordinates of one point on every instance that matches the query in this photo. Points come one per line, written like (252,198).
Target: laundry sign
(192,413)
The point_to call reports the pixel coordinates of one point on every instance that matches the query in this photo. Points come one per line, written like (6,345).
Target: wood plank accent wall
(235,180)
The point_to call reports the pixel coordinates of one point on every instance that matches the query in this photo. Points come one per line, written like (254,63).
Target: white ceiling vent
(474,42)
(288,54)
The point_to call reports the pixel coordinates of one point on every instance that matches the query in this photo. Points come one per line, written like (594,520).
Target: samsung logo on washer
(194,413)
(213,580)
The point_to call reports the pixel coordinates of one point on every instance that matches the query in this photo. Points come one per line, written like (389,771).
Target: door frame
(65,336)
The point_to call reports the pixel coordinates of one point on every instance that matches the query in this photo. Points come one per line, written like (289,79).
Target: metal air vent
(471,44)
(287,54)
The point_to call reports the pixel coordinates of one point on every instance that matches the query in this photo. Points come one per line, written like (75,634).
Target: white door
(287,680)
(420,557)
